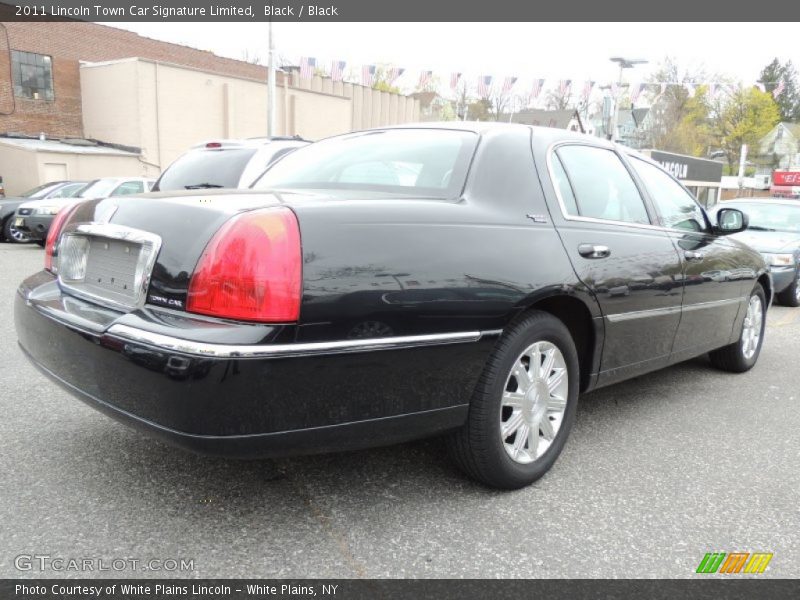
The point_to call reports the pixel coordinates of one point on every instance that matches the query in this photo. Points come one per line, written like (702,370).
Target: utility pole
(742,166)
(624,63)
(270,84)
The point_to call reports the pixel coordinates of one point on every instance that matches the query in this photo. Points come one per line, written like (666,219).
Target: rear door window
(602,186)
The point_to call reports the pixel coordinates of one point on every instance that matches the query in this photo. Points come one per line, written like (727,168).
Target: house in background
(780,148)
(560,119)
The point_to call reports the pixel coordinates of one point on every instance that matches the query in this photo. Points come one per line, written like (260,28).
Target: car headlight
(779,260)
(47,210)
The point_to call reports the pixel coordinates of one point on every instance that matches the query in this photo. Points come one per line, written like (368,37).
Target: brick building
(54,50)
(152,100)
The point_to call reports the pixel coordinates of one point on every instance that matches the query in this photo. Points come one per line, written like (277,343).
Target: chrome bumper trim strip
(168,343)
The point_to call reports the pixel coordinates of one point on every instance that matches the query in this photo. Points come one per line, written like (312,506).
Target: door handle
(594,251)
(692,255)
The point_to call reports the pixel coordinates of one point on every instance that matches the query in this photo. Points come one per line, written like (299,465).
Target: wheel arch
(766,282)
(584,326)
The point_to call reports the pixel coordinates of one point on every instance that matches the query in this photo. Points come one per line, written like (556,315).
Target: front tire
(743,354)
(523,407)
(13,235)
(791,295)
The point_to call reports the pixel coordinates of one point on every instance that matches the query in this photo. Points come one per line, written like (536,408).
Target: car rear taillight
(213,145)
(54,233)
(251,269)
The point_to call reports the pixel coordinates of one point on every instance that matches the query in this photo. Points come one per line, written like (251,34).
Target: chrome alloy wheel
(18,236)
(534,402)
(751,331)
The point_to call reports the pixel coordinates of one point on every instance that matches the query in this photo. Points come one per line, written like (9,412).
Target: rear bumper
(217,395)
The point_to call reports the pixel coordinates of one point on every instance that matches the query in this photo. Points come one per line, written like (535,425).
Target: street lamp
(624,63)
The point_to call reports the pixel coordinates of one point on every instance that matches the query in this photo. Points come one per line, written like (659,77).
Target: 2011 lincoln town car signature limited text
(375,287)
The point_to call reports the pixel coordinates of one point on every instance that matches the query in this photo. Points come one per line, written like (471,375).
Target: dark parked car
(8,206)
(33,217)
(225,163)
(468,280)
(774,230)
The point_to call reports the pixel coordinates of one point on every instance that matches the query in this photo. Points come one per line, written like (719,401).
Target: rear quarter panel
(405,267)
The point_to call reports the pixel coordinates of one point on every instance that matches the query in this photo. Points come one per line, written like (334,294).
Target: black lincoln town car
(469,280)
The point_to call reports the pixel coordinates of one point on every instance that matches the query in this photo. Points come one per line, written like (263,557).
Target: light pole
(270,84)
(624,63)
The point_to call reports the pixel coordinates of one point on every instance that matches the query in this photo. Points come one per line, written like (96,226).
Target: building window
(33,75)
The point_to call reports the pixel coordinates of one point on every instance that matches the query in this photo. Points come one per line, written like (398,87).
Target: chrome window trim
(116,232)
(169,343)
(568,217)
(564,213)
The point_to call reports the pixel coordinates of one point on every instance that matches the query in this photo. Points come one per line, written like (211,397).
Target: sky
(577,51)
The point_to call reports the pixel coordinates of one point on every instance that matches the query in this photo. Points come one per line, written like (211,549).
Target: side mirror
(731,220)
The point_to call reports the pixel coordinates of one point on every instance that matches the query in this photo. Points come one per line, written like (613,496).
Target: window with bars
(33,75)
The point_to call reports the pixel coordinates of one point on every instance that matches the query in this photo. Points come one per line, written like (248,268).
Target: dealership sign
(688,168)
(786,178)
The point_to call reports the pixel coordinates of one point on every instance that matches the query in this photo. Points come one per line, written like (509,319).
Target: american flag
(394,73)
(424,79)
(307,66)
(484,85)
(337,70)
(368,75)
(536,88)
(508,84)
(587,90)
(636,90)
(779,89)
(454,79)
(563,86)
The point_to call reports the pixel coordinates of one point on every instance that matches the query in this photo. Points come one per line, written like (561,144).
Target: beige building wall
(164,109)
(24,169)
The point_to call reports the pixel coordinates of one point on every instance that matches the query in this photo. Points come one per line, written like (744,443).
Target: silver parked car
(774,230)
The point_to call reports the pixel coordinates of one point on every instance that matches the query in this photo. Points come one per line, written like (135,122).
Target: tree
(558,100)
(382,83)
(480,110)
(744,117)
(671,112)
(693,133)
(788,100)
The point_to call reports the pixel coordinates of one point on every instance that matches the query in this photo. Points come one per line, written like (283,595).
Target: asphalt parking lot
(658,471)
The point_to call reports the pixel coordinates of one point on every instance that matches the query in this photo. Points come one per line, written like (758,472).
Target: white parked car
(225,163)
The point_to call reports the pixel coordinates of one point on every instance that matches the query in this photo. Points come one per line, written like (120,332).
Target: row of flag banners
(485,85)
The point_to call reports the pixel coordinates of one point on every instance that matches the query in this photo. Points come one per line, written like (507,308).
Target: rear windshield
(206,169)
(420,162)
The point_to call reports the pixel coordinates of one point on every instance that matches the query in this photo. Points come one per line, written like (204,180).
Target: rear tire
(791,295)
(540,400)
(743,354)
